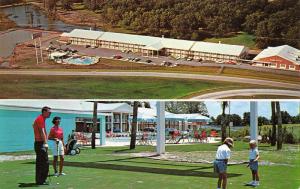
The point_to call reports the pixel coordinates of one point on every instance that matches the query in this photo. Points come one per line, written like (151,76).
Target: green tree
(273,120)
(224,105)
(279,122)
(246,118)
(180,107)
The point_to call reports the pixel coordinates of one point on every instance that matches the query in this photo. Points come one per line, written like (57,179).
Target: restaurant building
(282,57)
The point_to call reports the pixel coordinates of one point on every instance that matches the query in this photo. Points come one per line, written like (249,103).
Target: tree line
(237,120)
(9,2)
(272,22)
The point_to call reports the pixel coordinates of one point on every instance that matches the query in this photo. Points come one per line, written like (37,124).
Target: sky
(239,107)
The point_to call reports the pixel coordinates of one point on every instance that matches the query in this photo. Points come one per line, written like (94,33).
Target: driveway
(248,93)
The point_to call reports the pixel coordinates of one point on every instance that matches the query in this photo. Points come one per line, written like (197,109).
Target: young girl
(253,163)
(220,164)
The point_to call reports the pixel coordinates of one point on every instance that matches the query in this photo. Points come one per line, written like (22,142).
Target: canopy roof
(149,114)
(84,34)
(218,48)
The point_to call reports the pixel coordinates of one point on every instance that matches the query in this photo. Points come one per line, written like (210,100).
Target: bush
(240,134)
(289,137)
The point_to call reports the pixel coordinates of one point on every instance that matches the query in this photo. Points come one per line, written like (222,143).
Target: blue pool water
(80,61)
(16,132)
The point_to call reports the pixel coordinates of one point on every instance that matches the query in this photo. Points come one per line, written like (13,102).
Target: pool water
(16,132)
(80,61)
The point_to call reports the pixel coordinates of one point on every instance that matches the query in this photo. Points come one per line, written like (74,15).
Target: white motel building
(156,46)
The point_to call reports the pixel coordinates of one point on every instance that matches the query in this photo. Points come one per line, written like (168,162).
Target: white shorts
(60,151)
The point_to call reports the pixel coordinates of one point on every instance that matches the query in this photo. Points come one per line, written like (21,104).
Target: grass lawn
(241,39)
(117,65)
(113,167)
(18,86)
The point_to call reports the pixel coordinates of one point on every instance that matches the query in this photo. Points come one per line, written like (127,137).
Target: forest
(274,22)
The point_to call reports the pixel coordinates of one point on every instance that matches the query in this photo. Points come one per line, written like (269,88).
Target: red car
(117,57)
(230,62)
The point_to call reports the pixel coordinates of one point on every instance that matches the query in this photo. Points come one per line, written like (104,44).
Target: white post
(160,146)
(112,123)
(41,50)
(121,123)
(253,120)
(129,124)
(36,53)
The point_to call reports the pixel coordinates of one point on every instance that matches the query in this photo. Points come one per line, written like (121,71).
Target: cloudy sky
(239,107)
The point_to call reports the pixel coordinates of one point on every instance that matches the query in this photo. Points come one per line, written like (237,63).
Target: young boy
(220,164)
(253,163)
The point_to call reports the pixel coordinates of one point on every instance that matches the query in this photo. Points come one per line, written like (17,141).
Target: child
(220,164)
(253,163)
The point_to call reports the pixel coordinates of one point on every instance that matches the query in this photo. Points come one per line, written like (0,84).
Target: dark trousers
(41,164)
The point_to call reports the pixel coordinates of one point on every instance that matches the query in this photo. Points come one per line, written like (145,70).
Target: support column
(102,131)
(253,120)
(121,123)
(160,144)
(129,123)
(112,123)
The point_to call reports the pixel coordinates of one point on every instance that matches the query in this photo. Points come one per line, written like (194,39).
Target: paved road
(248,93)
(158,74)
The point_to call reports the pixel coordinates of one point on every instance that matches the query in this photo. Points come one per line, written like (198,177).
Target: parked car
(148,61)
(231,62)
(87,46)
(219,62)
(69,43)
(130,58)
(30,45)
(117,56)
(137,59)
(189,59)
(74,51)
(167,63)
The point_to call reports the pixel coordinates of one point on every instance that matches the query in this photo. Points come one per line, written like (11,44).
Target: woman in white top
(220,164)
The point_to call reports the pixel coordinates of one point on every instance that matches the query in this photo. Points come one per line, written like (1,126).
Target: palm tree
(133,126)
(279,122)
(224,105)
(93,143)
(136,105)
(273,135)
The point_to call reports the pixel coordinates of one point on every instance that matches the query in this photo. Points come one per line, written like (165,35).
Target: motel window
(291,67)
(282,66)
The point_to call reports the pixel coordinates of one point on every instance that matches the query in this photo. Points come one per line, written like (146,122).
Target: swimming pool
(81,61)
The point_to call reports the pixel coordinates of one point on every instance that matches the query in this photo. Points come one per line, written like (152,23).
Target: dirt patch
(206,157)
